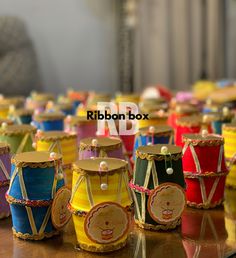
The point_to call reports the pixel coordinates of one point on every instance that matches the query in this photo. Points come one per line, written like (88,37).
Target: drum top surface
(50,135)
(93,164)
(156,149)
(156,129)
(101,141)
(17,129)
(49,116)
(200,137)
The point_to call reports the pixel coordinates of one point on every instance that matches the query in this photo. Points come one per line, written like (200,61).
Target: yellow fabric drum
(63,143)
(100,202)
(4,109)
(229,134)
(159,118)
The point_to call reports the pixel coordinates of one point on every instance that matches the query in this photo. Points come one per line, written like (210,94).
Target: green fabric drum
(158,187)
(19,137)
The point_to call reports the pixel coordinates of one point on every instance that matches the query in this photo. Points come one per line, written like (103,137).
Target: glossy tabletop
(203,234)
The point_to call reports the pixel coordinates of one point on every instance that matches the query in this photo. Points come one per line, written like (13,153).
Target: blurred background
(114,45)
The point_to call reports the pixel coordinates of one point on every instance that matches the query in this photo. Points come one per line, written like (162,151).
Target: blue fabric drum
(153,135)
(50,121)
(35,179)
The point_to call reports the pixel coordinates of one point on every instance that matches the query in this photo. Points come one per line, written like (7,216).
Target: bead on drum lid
(53,155)
(68,118)
(39,132)
(151,129)
(103,165)
(205,118)
(104,186)
(94,142)
(204,133)
(149,143)
(225,111)
(34,145)
(4,125)
(164,150)
(169,171)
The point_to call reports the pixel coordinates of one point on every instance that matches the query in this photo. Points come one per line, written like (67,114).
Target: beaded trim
(103,248)
(112,147)
(173,225)
(81,213)
(27,236)
(229,128)
(4,183)
(205,174)
(5,149)
(203,143)
(158,157)
(138,188)
(46,138)
(205,206)
(45,164)
(29,203)
(110,172)
(18,131)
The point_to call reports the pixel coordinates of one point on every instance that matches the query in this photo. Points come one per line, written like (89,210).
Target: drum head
(106,222)
(60,214)
(166,203)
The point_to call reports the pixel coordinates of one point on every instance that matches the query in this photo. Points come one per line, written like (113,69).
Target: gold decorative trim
(20,129)
(203,142)
(158,157)
(34,237)
(173,225)
(95,173)
(4,214)
(4,149)
(229,128)
(205,206)
(205,174)
(45,164)
(89,147)
(46,138)
(160,134)
(78,120)
(49,117)
(103,248)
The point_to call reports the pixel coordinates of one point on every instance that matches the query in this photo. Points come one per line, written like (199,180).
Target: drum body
(5,168)
(4,110)
(190,125)
(159,196)
(34,182)
(89,197)
(81,126)
(50,121)
(205,178)
(203,232)
(19,137)
(159,135)
(62,143)
(104,147)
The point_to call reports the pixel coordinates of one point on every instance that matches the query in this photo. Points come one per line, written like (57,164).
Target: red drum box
(204,169)
(191,124)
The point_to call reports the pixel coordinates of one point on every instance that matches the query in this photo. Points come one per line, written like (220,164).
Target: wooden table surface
(202,234)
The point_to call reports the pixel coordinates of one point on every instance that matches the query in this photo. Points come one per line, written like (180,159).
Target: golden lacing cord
(195,158)
(23,143)
(79,181)
(18,120)
(4,170)
(141,240)
(126,181)
(154,175)
(119,187)
(89,191)
(220,158)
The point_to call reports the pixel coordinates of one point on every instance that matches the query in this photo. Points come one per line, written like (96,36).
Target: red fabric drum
(190,124)
(204,169)
(203,232)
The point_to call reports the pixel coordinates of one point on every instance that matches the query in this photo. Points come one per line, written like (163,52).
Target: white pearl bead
(104,186)
(164,150)
(151,129)
(94,142)
(204,133)
(4,125)
(225,111)
(60,176)
(53,155)
(34,145)
(103,165)
(169,171)
(149,143)
(205,118)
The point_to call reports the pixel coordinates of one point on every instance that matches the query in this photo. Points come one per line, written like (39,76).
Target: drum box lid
(7,121)
(105,143)
(40,96)
(49,116)
(229,127)
(17,101)
(201,140)
(64,106)
(78,120)
(156,130)
(35,159)
(23,112)
(156,149)
(93,165)
(55,135)
(192,121)
(182,109)
(158,115)
(4,148)
(17,129)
